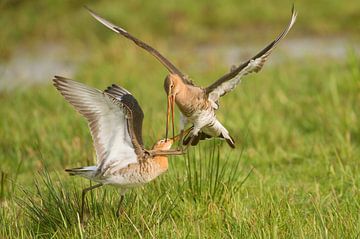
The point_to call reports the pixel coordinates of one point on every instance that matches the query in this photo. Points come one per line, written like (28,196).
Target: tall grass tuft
(213,176)
(51,206)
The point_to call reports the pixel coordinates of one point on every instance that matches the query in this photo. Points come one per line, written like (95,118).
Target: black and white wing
(229,81)
(169,66)
(108,119)
(135,115)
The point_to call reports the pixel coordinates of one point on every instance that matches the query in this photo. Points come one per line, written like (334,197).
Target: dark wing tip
(264,53)
(105,22)
(132,105)
(116,91)
(230,142)
(131,102)
(87,8)
(58,80)
(171,68)
(272,45)
(92,13)
(293,11)
(126,98)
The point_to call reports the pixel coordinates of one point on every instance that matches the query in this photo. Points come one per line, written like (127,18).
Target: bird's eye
(171,86)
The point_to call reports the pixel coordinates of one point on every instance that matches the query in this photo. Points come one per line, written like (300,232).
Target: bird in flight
(115,120)
(199,104)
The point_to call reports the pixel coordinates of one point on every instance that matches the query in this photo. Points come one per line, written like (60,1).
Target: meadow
(294,173)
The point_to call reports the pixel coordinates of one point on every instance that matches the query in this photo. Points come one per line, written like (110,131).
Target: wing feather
(136,115)
(229,81)
(169,66)
(107,118)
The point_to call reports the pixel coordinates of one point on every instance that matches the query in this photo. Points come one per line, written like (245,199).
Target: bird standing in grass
(115,120)
(197,104)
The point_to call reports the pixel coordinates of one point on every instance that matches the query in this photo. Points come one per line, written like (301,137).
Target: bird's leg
(119,210)
(83,199)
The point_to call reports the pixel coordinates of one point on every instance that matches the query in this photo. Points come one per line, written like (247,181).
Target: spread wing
(229,81)
(109,121)
(135,115)
(169,66)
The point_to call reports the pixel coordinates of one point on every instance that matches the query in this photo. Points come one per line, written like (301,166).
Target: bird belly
(134,175)
(214,129)
(203,118)
(206,121)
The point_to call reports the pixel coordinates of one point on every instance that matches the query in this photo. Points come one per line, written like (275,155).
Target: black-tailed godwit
(198,104)
(115,120)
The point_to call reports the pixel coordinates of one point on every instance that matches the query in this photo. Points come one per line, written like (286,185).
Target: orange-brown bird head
(172,84)
(163,144)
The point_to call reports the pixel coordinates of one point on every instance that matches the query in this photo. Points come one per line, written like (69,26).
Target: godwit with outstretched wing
(115,120)
(198,104)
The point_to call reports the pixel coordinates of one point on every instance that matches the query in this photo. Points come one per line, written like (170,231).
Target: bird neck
(179,86)
(190,99)
(162,161)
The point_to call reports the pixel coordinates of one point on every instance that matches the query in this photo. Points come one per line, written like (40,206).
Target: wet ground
(329,48)
(40,64)
(35,66)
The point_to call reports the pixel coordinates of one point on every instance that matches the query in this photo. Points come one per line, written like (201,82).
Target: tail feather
(197,138)
(215,129)
(229,140)
(86,172)
(203,136)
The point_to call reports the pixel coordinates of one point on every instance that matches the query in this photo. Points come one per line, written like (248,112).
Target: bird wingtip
(105,22)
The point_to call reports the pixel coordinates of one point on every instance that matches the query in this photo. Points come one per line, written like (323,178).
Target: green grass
(297,131)
(294,173)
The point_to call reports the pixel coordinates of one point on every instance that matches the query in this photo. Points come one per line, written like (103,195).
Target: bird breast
(192,100)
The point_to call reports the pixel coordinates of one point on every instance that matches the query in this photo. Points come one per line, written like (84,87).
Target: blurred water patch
(34,66)
(334,48)
(40,64)
(298,48)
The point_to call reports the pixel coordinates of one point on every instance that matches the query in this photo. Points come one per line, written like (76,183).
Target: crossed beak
(179,136)
(170,107)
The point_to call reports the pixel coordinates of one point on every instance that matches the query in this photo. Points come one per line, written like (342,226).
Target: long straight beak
(172,99)
(167,117)
(170,107)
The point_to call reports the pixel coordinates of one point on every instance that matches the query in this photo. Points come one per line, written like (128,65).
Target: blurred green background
(296,123)
(192,22)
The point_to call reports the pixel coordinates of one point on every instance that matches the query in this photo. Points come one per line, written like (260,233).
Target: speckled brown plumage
(197,104)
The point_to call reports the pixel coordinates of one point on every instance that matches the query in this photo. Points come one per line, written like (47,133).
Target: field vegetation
(294,173)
